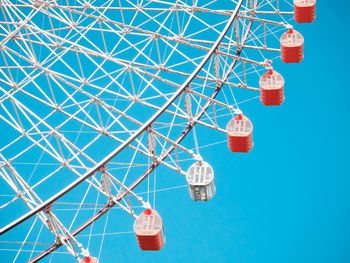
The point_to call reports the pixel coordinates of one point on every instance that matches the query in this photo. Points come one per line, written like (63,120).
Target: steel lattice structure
(95,95)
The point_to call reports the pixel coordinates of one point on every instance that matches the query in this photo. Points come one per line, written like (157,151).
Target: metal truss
(106,91)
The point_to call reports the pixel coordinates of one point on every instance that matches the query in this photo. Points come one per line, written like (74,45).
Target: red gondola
(239,134)
(271,88)
(149,231)
(304,11)
(292,47)
(89,260)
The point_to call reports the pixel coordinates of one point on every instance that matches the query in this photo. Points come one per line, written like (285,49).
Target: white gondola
(200,179)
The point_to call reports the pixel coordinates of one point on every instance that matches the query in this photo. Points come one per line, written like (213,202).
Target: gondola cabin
(239,134)
(89,260)
(200,180)
(304,11)
(149,231)
(292,47)
(271,88)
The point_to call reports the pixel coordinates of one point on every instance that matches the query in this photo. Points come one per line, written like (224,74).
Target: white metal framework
(95,95)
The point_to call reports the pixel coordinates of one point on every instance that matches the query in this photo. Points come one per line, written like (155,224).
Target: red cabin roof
(304,11)
(271,88)
(148,223)
(292,38)
(239,126)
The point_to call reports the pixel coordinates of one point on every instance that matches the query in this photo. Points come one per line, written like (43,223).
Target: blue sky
(288,199)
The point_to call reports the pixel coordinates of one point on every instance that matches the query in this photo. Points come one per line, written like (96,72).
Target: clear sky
(287,200)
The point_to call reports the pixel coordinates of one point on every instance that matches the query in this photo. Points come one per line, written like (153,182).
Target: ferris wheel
(97,96)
